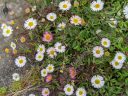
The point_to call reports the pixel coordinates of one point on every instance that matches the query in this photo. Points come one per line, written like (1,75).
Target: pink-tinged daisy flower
(47,37)
(48,78)
(45,92)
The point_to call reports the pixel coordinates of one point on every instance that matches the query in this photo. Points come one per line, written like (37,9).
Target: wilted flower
(72,72)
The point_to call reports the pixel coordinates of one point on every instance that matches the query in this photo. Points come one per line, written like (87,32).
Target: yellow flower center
(120,57)
(116,63)
(52,52)
(22,39)
(80,92)
(75,20)
(46,92)
(47,36)
(68,89)
(50,68)
(30,24)
(97,51)
(59,47)
(39,56)
(97,6)
(97,81)
(105,43)
(51,17)
(41,49)
(8,31)
(44,72)
(65,6)
(21,61)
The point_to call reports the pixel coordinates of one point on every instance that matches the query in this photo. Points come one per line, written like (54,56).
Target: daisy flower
(31,95)
(120,57)
(3,26)
(13,45)
(47,37)
(30,24)
(41,48)
(7,31)
(116,64)
(98,51)
(15,76)
(48,78)
(39,56)
(113,23)
(76,20)
(68,89)
(65,5)
(81,92)
(51,52)
(50,68)
(20,61)
(125,11)
(97,5)
(61,26)
(106,42)
(44,73)
(97,81)
(45,92)
(51,16)
(59,48)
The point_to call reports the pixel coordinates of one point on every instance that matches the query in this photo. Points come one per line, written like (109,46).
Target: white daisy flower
(65,5)
(120,57)
(97,5)
(125,11)
(41,48)
(113,23)
(116,64)
(20,61)
(51,16)
(98,51)
(39,56)
(45,92)
(50,68)
(44,73)
(31,95)
(106,42)
(61,26)
(7,31)
(3,26)
(15,76)
(97,81)
(13,45)
(59,48)
(81,92)
(30,24)
(51,52)
(76,20)
(68,89)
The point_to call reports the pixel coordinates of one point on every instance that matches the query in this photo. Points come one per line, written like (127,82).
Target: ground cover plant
(71,48)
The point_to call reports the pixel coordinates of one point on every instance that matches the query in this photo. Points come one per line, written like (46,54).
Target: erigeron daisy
(98,51)
(30,24)
(39,56)
(45,92)
(120,57)
(76,20)
(113,23)
(125,11)
(106,42)
(59,48)
(20,61)
(116,64)
(65,5)
(68,89)
(7,31)
(50,68)
(3,26)
(51,52)
(31,95)
(97,5)
(15,76)
(97,81)
(13,45)
(47,37)
(44,73)
(81,92)
(41,48)
(51,16)
(61,26)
